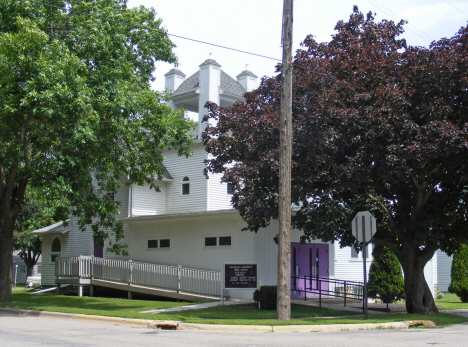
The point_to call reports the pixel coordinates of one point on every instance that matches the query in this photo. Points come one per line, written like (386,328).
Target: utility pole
(283,311)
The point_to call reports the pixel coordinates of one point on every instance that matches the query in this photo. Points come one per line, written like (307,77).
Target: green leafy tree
(385,276)
(41,208)
(459,273)
(377,126)
(77,112)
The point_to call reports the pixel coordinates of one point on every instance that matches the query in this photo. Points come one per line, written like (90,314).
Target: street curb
(307,328)
(170,325)
(177,325)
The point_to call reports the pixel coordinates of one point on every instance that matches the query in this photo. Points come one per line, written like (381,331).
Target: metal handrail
(336,288)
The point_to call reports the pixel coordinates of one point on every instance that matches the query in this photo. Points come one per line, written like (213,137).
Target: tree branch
(391,221)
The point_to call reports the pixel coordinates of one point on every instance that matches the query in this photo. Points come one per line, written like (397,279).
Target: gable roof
(228,84)
(57,228)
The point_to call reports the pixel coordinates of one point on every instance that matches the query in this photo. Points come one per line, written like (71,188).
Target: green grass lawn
(233,314)
(22,299)
(301,315)
(451,302)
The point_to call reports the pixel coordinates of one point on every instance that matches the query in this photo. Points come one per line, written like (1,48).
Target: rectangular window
(39,269)
(358,255)
(53,257)
(185,189)
(214,241)
(165,243)
(152,244)
(22,269)
(155,244)
(225,240)
(210,241)
(230,189)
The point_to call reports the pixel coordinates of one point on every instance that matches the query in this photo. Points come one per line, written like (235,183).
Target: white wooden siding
(48,268)
(217,197)
(347,268)
(122,196)
(187,243)
(187,237)
(444,266)
(192,167)
(147,201)
(48,271)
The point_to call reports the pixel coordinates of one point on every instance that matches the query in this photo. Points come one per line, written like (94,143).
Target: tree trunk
(29,266)
(6,259)
(419,298)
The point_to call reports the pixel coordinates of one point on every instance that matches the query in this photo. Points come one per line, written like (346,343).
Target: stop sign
(364,226)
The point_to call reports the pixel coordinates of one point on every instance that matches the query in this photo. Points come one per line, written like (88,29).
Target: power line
(456,8)
(173,35)
(410,26)
(224,47)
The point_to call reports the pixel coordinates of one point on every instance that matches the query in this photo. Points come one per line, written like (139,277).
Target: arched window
(55,250)
(186,186)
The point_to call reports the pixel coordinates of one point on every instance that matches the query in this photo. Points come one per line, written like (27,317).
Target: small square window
(165,243)
(53,257)
(210,241)
(225,240)
(152,243)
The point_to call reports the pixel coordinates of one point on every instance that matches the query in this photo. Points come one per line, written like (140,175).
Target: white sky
(255,26)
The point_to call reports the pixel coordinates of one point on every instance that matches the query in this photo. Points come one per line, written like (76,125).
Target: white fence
(174,278)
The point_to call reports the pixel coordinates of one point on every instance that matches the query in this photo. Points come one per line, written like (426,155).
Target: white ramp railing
(174,278)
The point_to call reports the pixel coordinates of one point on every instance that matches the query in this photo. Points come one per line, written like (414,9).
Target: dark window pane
(166,243)
(230,188)
(152,243)
(56,245)
(186,189)
(53,257)
(225,241)
(210,241)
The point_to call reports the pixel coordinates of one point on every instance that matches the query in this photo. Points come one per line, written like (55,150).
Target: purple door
(98,250)
(309,267)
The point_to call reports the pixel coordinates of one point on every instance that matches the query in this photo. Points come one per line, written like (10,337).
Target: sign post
(363,227)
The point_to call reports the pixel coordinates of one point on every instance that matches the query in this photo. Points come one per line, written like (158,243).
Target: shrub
(459,273)
(439,295)
(385,276)
(266,296)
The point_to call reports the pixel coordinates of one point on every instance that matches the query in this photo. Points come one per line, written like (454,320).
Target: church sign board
(240,276)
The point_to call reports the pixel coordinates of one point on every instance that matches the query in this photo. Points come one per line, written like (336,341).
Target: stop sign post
(363,227)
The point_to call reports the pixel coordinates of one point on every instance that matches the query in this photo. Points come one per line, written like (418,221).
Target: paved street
(20,331)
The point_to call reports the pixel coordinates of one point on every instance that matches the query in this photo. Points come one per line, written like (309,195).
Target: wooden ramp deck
(173,282)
